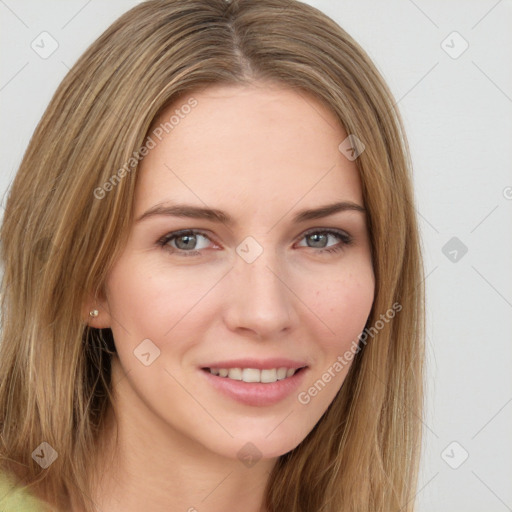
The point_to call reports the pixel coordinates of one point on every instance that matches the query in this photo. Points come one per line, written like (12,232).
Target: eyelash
(163,242)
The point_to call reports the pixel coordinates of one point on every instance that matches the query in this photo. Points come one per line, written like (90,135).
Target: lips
(260,364)
(256,382)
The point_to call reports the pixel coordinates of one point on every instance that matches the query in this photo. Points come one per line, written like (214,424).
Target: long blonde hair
(60,239)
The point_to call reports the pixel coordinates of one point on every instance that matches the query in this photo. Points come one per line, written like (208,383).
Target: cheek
(344,304)
(343,308)
(148,302)
(140,291)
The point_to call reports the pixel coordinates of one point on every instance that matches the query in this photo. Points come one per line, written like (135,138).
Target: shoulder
(13,498)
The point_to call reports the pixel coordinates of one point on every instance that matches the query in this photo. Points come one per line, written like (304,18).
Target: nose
(258,300)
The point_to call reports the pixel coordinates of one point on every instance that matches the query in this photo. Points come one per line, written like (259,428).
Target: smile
(266,376)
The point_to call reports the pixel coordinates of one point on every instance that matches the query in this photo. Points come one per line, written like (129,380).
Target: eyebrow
(214,215)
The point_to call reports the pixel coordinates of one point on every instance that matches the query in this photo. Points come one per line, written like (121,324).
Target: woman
(213,287)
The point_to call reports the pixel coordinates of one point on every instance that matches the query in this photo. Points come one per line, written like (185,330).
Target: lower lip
(256,393)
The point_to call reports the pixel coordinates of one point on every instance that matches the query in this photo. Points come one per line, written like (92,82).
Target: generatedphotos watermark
(304,397)
(137,156)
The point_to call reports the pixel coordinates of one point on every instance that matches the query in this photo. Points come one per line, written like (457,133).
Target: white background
(458,116)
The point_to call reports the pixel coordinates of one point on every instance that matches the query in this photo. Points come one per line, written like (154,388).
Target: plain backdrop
(449,67)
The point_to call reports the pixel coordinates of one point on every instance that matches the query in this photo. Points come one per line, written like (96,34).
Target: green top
(14,498)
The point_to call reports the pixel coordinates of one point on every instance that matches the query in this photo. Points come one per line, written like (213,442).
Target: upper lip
(260,364)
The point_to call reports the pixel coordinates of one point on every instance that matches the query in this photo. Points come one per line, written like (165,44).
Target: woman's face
(236,263)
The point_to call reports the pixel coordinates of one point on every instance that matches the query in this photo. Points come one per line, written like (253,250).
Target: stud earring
(94,313)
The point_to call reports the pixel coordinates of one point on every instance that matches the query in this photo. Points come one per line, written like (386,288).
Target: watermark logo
(351,147)
(454,249)
(146,352)
(44,455)
(454,455)
(249,250)
(249,455)
(45,45)
(454,45)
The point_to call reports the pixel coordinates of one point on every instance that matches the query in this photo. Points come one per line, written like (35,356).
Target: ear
(100,304)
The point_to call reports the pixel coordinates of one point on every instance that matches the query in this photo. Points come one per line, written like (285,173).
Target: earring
(94,313)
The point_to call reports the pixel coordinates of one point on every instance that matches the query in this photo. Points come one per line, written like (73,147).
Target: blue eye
(321,237)
(183,242)
(188,242)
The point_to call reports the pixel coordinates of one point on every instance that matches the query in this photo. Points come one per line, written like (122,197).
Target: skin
(261,153)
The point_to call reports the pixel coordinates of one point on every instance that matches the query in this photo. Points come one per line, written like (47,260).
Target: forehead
(247,143)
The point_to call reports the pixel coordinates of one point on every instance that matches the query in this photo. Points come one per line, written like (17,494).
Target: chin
(268,442)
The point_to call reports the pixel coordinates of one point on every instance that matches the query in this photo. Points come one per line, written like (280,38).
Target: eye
(186,242)
(320,238)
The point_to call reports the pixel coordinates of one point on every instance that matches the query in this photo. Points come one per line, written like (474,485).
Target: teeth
(235,373)
(253,374)
(281,373)
(268,375)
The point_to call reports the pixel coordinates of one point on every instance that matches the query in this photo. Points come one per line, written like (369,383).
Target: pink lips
(260,364)
(256,393)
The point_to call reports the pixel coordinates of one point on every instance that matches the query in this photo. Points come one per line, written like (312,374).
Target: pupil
(190,239)
(319,238)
